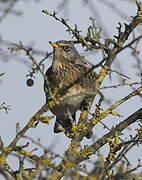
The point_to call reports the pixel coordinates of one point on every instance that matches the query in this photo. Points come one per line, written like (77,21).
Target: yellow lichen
(32,174)
(101,76)
(86,152)
(117,142)
(97,111)
(31,123)
(44,119)
(115,146)
(54,176)
(101,116)
(139,130)
(18,176)
(111,156)
(7,149)
(74,146)
(91,178)
(26,153)
(2,159)
(4,154)
(47,162)
(54,98)
(83,116)
(101,158)
(78,128)
(53,103)
(69,164)
(115,114)
(139,12)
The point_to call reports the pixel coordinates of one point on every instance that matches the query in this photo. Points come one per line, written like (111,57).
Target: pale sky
(34,26)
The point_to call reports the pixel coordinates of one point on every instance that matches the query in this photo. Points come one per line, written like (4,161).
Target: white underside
(72,103)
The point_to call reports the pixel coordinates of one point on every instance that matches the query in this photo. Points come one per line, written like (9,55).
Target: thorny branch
(117,130)
(75,154)
(118,46)
(76,33)
(5,107)
(119,85)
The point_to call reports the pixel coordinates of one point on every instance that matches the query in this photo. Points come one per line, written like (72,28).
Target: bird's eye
(66,48)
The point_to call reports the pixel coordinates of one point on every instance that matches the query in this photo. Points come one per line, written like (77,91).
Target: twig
(122,84)
(5,107)
(117,130)
(130,44)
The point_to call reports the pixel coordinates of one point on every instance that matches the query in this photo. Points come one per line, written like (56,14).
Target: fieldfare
(72,72)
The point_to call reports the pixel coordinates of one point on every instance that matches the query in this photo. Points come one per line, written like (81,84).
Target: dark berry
(30,82)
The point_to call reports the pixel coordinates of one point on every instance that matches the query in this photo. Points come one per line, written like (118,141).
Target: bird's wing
(46,82)
(82,61)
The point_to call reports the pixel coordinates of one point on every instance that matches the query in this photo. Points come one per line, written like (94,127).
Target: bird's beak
(54,44)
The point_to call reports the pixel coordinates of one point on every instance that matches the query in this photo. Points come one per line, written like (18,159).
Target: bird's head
(64,50)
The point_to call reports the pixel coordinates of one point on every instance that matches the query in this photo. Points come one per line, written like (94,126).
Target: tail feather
(63,122)
(57,128)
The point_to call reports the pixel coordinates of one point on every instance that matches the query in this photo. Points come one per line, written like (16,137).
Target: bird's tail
(65,124)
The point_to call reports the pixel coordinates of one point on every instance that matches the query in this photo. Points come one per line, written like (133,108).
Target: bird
(70,71)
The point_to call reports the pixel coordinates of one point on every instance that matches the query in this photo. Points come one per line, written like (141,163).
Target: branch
(117,130)
(132,42)
(121,84)
(74,31)
(5,107)
(31,124)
